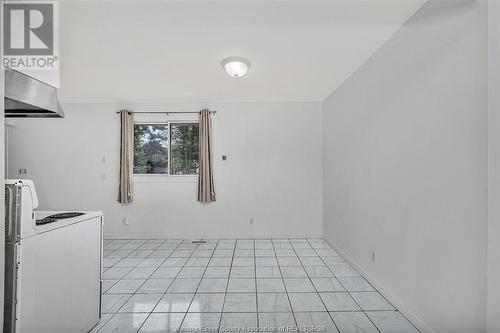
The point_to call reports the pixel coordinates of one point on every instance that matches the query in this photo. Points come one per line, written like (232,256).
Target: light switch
(224,157)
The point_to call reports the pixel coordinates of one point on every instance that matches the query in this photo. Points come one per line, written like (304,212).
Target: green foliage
(151,148)
(184,158)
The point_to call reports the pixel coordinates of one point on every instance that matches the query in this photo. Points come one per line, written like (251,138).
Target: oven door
(13,197)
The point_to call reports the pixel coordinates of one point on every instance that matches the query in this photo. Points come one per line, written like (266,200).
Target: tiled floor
(276,285)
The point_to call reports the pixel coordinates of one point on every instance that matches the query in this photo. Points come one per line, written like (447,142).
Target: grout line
(234,248)
(310,280)
(227,284)
(255,279)
(283,281)
(349,296)
(123,278)
(194,294)
(375,290)
(147,317)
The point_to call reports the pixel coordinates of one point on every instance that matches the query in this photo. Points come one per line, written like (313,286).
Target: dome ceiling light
(236,66)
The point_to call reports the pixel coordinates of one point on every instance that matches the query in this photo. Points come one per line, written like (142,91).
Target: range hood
(26,97)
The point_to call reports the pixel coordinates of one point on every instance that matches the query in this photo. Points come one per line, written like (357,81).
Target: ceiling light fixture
(235,66)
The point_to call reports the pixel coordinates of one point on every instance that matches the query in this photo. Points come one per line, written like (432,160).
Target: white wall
(273,171)
(405,166)
(2,172)
(493,276)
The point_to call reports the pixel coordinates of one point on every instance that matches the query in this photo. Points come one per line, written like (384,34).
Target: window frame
(166,177)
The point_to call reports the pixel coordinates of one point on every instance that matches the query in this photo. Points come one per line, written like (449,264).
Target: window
(166,148)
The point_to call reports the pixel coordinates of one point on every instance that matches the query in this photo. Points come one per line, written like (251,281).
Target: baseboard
(404,310)
(126,237)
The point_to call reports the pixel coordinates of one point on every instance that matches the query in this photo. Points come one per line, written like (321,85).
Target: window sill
(165,179)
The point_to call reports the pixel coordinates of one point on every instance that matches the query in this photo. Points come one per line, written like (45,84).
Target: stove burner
(58,216)
(45,221)
(61,216)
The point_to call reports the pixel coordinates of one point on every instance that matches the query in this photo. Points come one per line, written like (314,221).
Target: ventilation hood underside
(26,97)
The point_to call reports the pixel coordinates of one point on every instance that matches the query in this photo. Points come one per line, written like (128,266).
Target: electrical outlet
(126,221)
(252,220)
(224,157)
(23,171)
(374,256)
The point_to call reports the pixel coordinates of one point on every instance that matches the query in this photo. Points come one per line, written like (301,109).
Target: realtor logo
(29,32)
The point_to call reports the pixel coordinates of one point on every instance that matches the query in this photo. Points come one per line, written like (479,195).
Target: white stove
(53,265)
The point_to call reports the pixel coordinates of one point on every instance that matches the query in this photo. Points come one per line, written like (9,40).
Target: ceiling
(166,51)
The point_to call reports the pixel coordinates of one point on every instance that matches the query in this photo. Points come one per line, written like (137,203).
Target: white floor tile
(306,302)
(155,286)
(212,286)
(183,286)
(124,323)
(285,252)
(207,303)
(355,284)
(197,262)
(241,286)
(311,261)
(175,262)
(230,280)
(140,273)
(104,319)
(238,322)
(243,262)
(217,272)
(115,273)
(220,261)
(223,253)
(298,285)
(315,322)
(140,303)
(162,323)
(243,253)
(265,253)
(107,284)
(112,303)
(174,303)
(339,301)
(327,284)
(268,272)
(128,262)
(276,322)
(270,286)
(151,262)
(126,286)
(196,322)
(242,272)
(318,272)
(391,322)
(265,261)
(240,303)
(371,301)
(343,270)
(165,272)
(191,272)
(353,322)
(293,272)
(269,302)
(289,261)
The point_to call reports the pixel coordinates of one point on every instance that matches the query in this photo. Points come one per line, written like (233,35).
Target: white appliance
(53,266)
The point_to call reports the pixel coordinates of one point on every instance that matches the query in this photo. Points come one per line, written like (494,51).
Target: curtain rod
(167,113)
